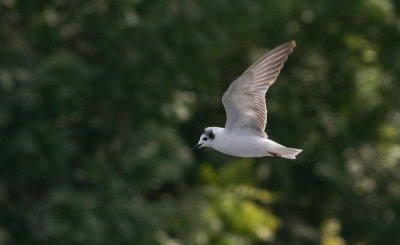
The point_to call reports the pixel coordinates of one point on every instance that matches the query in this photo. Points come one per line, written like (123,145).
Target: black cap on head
(210,134)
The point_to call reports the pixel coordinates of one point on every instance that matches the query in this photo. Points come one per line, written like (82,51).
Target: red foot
(274,154)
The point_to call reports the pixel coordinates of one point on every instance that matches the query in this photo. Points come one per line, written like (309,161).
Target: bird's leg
(274,154)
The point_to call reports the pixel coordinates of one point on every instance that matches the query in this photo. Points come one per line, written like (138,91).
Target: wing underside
(244,101)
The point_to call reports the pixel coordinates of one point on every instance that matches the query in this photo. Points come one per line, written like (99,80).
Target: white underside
(250,146)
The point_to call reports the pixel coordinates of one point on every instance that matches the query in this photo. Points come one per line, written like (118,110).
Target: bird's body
(246,111)
(244,145)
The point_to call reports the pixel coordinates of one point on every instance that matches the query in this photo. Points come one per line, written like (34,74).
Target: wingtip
(292,43)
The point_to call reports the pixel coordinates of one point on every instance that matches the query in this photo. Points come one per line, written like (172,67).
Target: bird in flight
(246,113)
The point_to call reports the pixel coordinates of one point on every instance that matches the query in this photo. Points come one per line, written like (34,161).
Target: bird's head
(206,139)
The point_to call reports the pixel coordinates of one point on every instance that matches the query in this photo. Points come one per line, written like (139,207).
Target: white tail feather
(286,152)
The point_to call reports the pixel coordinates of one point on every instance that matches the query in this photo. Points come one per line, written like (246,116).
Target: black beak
(196,146)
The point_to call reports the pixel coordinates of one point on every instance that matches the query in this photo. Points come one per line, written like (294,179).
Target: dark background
(101,101)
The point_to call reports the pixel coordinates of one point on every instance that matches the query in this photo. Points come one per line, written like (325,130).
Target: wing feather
(244,101)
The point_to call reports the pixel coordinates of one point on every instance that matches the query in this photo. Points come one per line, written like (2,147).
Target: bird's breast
(241,145)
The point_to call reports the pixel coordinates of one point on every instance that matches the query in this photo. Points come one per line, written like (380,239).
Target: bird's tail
(286,152)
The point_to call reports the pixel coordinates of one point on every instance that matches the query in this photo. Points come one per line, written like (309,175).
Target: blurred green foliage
(100,102)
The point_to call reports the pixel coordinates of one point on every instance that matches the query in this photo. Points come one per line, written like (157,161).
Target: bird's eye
(204,138)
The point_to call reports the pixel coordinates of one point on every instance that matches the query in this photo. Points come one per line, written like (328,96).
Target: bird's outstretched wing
(244,101)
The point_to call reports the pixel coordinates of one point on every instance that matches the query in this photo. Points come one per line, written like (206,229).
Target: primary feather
(244,101)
